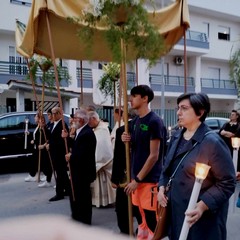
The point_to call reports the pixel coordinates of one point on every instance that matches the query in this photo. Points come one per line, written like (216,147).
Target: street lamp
(201,172)
(26,132)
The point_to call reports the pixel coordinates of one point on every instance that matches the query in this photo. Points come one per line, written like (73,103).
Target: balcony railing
(195,39)
(218,86)
(20,71)
(171,83)
(87,78)
(18,2)
(10,70)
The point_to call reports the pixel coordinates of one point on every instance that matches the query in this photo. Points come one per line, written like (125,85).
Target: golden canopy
(171,22)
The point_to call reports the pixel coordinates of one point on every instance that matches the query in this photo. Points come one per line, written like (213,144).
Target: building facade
(213,36)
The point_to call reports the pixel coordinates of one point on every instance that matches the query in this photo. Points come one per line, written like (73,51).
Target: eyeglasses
(183,108)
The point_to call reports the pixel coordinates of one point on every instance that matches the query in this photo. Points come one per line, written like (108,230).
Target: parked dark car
(13,155)
(215,123)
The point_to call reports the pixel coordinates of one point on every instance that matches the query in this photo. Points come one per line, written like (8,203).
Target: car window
(222,122)
(31,123)
(212,123)
(12,122)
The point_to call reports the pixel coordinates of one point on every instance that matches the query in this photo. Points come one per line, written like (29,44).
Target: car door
(12,135)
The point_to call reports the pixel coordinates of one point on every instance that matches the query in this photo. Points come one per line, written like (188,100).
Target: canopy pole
(136,79)
(81,81)
(120,103)
(38,107)
(185,63)
(125,113)
(33,84)
(184,48)
(40,132)
(59,97)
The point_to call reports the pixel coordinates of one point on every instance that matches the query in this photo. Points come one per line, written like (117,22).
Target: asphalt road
(20,199)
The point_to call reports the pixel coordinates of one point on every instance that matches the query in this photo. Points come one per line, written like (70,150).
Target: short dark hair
(49,111)
(198,101)
(143,90)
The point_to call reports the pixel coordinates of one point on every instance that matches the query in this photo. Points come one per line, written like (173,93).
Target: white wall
(9,12)
(219,49)
(230,7)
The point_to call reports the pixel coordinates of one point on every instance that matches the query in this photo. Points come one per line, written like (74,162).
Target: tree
(234,65)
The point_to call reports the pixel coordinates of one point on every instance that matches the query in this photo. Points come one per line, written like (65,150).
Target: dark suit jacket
(82,161)
(57,146)
(119,159)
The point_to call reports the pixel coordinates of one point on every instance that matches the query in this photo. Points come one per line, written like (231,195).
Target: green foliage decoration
(134,28)
(48,75)
(234,65)
(109,79)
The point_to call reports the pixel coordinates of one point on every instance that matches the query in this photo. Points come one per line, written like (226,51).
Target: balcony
(195,39)
(171,83)
(218,86)
(87,78)
(19,71)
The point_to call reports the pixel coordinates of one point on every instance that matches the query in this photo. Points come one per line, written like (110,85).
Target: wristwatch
(137,179)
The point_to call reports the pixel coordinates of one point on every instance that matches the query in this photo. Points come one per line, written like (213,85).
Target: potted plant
(110,80)
(46,65)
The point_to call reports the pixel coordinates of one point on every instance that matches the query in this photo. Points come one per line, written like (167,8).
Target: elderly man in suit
(58,151)
(83,167)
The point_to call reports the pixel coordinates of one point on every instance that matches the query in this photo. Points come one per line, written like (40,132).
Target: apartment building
(214,35)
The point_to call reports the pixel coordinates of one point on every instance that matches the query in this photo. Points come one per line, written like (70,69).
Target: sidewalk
(233,222)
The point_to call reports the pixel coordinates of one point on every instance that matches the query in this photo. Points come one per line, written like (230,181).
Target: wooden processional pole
(123,74)
(38,108)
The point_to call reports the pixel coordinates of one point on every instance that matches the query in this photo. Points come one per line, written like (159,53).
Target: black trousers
(62,182)
(82,206)
(121,207)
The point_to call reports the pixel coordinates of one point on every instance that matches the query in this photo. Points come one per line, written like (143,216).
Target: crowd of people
(88,162)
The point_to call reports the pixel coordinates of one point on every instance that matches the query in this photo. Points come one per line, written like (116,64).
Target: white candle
(235,158)
(26,132)
(191,206)
(201,172)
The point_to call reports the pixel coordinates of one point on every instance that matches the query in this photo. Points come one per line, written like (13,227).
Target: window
(213,73)
(100,65)
(223,33)
(19,63)
(206,28)
(12,123)
(24,3)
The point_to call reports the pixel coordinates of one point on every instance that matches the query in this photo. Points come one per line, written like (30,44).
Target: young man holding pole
(147,137)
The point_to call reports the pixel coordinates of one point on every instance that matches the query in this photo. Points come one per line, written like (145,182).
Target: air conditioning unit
(179,60)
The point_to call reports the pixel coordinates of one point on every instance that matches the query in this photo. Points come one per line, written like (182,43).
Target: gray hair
(93,114)
(82,113)
(57,109)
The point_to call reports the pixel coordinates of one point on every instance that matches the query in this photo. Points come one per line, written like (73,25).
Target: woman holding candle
(190,145)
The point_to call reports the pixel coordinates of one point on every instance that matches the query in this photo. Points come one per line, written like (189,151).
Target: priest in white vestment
(102,192)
